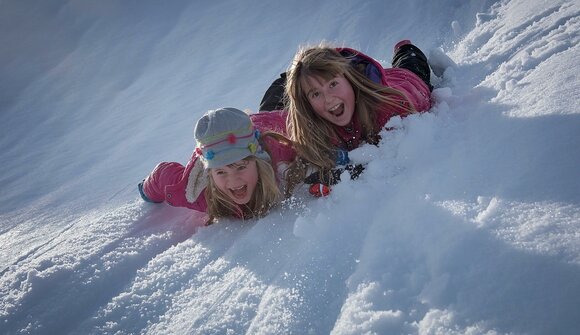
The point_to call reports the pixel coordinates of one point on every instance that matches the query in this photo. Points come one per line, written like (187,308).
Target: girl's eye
(220,172)
(314,95)
(241,167)
(333,83)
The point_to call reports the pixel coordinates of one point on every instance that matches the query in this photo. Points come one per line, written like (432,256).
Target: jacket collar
(349,136)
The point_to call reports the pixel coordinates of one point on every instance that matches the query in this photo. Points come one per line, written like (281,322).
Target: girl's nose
(327,97)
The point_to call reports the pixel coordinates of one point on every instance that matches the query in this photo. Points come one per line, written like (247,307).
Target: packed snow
(466,220)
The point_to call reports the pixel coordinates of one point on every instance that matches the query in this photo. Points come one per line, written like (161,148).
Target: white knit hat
(225,136)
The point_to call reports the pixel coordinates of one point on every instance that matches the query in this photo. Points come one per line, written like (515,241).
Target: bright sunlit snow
(466,221)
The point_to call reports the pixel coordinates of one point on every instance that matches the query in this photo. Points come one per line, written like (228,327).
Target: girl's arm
(164,174)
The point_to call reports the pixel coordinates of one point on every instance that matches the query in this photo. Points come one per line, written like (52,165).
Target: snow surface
(467,220)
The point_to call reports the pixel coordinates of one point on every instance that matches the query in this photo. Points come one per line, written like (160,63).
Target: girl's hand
(333,177)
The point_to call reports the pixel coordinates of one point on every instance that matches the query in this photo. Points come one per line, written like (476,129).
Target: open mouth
(239,192)
(337,110)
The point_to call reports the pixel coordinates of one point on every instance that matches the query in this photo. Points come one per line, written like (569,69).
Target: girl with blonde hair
(236,170)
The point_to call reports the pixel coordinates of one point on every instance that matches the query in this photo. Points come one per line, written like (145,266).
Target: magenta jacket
(415,89)
(184,186)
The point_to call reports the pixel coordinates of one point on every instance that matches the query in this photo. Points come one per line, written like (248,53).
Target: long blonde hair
(312,135)
(266,195)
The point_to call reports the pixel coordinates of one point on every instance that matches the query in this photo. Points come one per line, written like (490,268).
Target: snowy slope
(466,221)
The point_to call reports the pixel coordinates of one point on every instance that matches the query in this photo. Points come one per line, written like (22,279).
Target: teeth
(238,188)
(334,108)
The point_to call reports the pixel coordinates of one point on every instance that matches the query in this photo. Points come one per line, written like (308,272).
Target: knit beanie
(225,136)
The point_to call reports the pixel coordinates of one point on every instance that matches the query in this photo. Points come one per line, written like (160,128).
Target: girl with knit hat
(236,170)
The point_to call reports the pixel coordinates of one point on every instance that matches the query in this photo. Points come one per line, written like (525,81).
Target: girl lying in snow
(235,171)
(339,98)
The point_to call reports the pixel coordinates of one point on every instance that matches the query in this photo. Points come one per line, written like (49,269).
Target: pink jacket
(184,186)
(415,89)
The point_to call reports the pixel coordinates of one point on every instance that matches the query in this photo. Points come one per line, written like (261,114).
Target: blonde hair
(266,195)
(312,135)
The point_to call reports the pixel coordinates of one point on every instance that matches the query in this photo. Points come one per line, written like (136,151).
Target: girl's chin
(341,122)
(241,201)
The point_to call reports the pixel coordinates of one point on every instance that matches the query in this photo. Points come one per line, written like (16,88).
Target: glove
(320,183)
(319,190)
(355,170)
(333,177)
(330,178)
